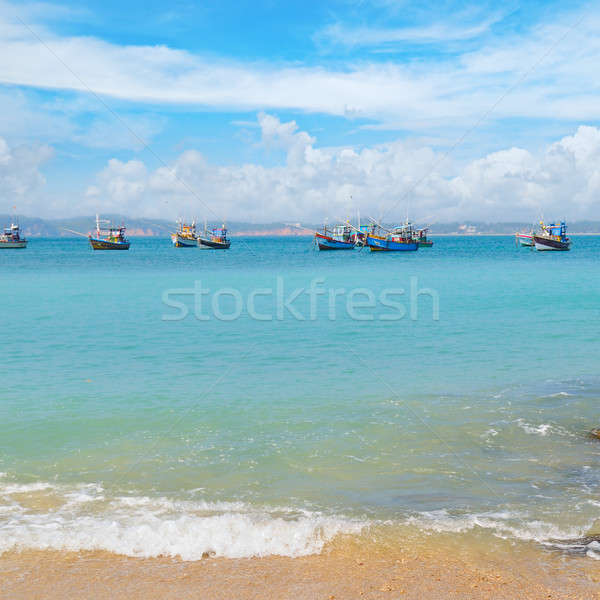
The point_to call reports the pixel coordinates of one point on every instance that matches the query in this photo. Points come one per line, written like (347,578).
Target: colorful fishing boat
(399,239)
(185,236)
(552,237)
(524,239)
(108,238)
(11,238)
(421,238)
(338,237)
(215,238)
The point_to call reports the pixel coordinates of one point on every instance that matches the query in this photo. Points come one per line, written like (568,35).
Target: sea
(270,398)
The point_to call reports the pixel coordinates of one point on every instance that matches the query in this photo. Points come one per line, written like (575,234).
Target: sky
(270,111)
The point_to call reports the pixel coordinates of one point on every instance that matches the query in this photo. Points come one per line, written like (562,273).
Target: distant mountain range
(34,227)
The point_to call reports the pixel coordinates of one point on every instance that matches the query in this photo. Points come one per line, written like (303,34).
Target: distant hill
(53,228)
(34,227)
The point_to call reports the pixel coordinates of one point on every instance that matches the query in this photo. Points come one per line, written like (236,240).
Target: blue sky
(386,81)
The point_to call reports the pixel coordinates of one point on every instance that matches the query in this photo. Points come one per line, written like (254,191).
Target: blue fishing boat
(339,237)
(399,239)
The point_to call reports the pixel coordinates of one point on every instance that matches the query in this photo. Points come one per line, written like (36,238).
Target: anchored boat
(524,239)
(214,238)
(185,236)
(399,239)
(108,238)
(552,237)
(11,238)
(421,238)
(338,237)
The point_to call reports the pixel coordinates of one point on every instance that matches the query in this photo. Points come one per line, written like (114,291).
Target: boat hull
(13,245)
(545,244)
(427,244)
(180,241)
(380,244)
(205,243)
(106,245)
(524,240)
(326,242)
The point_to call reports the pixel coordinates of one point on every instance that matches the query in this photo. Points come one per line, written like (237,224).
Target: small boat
(552,237)
(108,238)
(185,236)
(214,238)
(338,237)
(421,238)
(524,239)
(399,239)
(11,238)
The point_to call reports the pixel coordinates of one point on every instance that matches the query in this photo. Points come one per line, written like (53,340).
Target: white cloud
(129,132)
(513,184)
(344,35)
(25,118)
(420,94)
(20,176)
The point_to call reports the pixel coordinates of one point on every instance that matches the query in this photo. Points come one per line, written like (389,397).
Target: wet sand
(345,570)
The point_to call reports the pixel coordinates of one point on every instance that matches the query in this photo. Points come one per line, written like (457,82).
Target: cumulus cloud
(383,180)
(20,177)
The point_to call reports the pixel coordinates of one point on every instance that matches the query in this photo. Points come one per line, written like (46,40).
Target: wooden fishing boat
(338,237)
(214,238)
(11,238)
(399,239)
(108,238)
(524,239)
(552,237)
(421,238)
(185,236)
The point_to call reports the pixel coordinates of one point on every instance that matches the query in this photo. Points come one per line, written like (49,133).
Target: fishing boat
(215,238)
(399,239)
(338,237)
(552,237)
(421,238)
(524,239)
(11,238)
(185,236)
(108,238)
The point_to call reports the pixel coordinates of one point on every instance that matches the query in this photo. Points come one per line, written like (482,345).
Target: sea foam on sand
(149,527)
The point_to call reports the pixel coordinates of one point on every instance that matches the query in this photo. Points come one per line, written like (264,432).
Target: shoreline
(347,568)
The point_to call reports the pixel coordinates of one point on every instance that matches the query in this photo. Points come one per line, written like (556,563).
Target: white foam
(24,488)
(148,527)
(543,429)
(504,525)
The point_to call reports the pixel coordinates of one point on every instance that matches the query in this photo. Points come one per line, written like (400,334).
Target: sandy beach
(346,569)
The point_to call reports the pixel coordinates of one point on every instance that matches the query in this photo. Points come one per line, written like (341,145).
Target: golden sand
(346,569)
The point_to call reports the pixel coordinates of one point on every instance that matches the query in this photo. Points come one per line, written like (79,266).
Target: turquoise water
(266,430)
